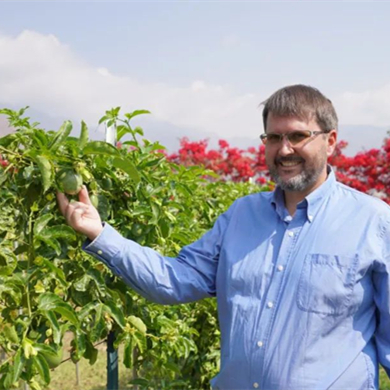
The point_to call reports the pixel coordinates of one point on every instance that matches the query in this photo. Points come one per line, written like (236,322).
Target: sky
(201,67)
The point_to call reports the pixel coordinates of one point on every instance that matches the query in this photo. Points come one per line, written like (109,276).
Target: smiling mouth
(289,164)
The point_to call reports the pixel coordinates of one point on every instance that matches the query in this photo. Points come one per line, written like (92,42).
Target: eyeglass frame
(263,136)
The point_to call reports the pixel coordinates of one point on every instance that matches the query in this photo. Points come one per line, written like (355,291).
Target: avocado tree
(49,286)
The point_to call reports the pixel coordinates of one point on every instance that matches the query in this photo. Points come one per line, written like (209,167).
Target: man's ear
(332,142)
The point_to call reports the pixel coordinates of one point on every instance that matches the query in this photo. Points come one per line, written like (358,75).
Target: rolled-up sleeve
(166,280)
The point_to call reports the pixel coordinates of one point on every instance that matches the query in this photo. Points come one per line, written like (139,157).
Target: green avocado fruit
(69,181)
(54,359)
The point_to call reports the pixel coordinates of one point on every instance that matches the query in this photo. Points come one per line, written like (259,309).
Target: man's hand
(82,216)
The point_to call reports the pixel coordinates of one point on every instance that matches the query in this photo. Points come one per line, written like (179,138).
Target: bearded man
(301,274)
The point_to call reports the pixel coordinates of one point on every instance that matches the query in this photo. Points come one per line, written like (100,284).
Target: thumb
(84,196)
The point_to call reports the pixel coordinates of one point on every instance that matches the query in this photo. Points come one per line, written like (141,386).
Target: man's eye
(273,137)
(297,137)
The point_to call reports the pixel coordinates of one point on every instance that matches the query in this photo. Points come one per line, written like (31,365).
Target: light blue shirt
(303,301)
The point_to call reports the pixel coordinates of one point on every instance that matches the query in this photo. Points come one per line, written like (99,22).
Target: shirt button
(270,305)
(260,344)
(99,252)
(288,218)
(280,268)
(310,218)
(255,385)
(291,234)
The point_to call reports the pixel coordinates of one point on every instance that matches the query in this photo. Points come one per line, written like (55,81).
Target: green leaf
(10,334)
(17,365)
(41,222)
(138,323)
(91,306)
(50,301)
(66,311)
(80,344)
(128,353)
(139,131)
(34,385)
(44,349)
(96,332)
(11,289)
(52,243)
(84,136)
(98,279)
(100,147)
(8,139)
(51,317)
(102,119)
(91,353)
(135,113)
(59,231)
(42,367)
(82,284)
(40,138)
(8,261)
(115,312)
(140,341)
(6,380)
(3,177)
(122,130)
(60,276)
(61,136)
(156,214)
(127,166)
(140,381)
(152,163)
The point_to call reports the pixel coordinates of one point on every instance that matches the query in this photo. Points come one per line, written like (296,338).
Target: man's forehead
(301,116)
(284,119)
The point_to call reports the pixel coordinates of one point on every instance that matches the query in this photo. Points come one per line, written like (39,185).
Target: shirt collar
(311,203)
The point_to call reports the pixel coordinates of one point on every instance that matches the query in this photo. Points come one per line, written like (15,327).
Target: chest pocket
(326,283)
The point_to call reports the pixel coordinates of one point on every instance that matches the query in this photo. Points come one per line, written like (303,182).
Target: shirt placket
(291,234)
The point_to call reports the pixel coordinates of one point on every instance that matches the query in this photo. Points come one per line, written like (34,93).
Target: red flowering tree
(230,163)
(368,171)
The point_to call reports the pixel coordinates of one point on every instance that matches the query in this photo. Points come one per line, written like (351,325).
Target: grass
(94,377)
(384,382)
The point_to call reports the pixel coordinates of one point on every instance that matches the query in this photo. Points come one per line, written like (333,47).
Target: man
(301,274)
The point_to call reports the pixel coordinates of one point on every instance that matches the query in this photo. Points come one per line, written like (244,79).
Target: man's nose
(285,147)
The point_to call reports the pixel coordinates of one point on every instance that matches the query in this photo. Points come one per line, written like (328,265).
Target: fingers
(63,202)
(74,212)
(74,215)
(84,196)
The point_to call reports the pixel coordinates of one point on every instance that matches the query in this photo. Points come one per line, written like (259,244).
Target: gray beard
(301,182)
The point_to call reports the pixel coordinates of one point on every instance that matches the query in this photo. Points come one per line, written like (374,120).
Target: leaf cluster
(49,286)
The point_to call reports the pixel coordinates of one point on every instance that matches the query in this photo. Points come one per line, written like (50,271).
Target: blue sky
(201,67)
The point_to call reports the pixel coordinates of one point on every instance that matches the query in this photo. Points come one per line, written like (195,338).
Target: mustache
(283,159)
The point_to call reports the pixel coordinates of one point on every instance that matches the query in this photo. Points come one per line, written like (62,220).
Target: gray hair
(302,102)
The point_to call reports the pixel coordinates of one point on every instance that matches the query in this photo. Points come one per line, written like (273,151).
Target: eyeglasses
(293,137)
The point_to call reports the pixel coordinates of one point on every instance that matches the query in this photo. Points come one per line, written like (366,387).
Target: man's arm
(188,277)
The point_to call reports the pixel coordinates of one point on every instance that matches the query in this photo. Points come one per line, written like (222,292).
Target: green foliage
(49,286)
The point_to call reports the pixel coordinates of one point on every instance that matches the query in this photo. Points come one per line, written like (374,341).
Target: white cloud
(40,71)
(369,107)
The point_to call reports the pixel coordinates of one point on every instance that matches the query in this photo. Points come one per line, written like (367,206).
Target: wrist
(92,235)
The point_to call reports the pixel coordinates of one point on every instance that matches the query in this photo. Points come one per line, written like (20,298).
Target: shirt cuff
(106,245)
